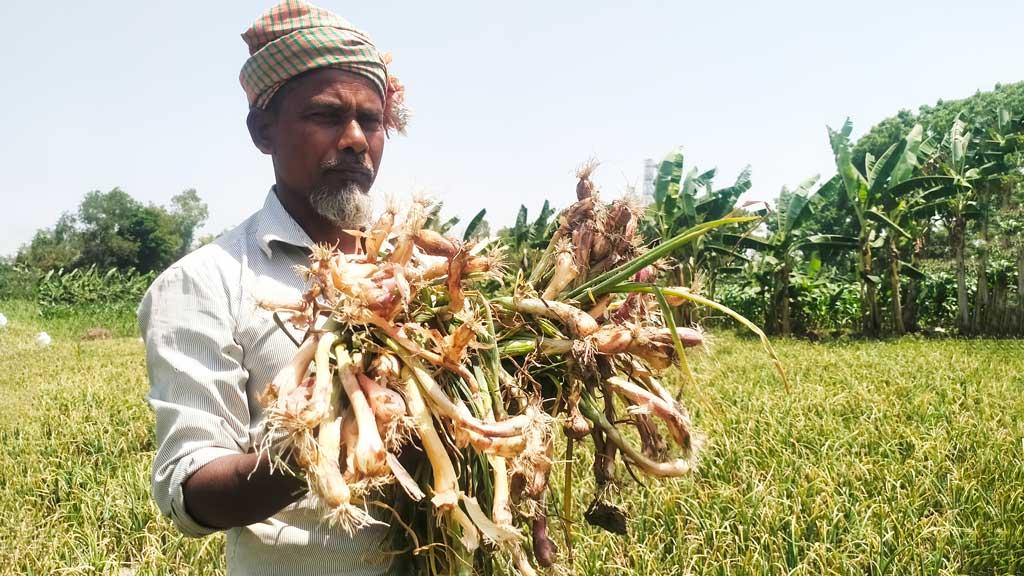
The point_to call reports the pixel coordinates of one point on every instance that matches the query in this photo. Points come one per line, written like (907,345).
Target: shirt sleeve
(197,384)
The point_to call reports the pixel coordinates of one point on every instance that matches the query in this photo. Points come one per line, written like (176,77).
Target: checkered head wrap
(295,37)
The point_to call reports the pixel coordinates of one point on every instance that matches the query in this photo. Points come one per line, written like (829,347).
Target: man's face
(326,134)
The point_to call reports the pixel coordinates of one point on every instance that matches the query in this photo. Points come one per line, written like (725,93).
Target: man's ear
(261,129)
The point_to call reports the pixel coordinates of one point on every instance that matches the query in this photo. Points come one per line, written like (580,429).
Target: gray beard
(348,207)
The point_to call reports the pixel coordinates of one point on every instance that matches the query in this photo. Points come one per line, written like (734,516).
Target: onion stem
(685,294)
(577,321)
(603,282)
(670,321)
(673,468)
(370,453)
(446,483)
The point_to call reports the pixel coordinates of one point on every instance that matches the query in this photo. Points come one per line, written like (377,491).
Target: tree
(104,217)
(987,126)
(997,157)
(831,215)
(157,237)
(1013,229)
(981,109)
(52,248)
(113,230)
(190,213)
(898,216)
(120,232)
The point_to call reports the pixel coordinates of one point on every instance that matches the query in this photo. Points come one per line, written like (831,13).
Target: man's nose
(352,138)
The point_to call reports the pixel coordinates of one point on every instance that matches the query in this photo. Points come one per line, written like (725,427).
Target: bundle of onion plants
(416,391)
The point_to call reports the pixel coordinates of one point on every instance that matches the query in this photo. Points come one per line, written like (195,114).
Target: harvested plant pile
(420,344)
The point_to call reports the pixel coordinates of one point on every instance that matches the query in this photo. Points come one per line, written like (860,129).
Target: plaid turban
(295,37)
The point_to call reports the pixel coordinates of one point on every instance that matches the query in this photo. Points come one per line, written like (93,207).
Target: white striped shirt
(210,351)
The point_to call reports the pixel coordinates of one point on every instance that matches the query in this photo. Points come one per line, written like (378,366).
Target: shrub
(18,282)
(748,299)
(825,306)
(109,298)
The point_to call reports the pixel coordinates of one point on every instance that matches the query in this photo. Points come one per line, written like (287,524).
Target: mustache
(354,165)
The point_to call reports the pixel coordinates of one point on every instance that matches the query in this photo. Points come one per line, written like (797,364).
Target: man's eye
(323,116)
(370,122)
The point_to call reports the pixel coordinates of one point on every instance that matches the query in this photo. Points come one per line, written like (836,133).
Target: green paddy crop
(892,457)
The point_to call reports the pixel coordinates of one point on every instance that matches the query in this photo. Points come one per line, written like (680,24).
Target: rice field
(893,457)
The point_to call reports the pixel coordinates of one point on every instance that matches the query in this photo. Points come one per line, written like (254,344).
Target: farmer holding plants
(322,103)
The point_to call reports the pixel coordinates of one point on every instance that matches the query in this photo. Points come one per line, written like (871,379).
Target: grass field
(903,457)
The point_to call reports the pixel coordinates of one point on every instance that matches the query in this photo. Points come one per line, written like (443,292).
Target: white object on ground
(43,340)
(3,321)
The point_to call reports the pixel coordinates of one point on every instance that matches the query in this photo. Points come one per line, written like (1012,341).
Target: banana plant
(684,199)
(524,239)
(476,229)
(779,252)
(1012,227)
(972,162)
(902,214)
(960,209)
(436,222)
(1006,145)
(890,176)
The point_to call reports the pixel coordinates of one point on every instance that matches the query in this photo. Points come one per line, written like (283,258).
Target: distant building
(650,172)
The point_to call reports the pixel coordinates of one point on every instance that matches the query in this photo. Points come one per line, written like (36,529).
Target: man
(321,104)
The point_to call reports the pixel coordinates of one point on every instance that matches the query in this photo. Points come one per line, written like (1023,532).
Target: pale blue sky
(508,97)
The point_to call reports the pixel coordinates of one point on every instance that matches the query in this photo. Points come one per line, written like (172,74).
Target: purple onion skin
(544,550)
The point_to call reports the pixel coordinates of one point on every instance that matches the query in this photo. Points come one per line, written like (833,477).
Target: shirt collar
(277,225)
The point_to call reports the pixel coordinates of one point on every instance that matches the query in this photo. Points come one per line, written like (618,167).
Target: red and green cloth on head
(295,37)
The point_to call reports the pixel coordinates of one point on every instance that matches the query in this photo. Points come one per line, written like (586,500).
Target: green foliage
(52,248)
(436,222)
(120,232)
(830,213)
(779,252)
(749,299)
(189,213)
(18,282)
(947,161)
(113,230)
(824,304)
(111,296)
(880,193)
(872,224)
(525,239)
(981,109)
(936,304)
(684,201)
(478,228)
(820,304)
(687,199)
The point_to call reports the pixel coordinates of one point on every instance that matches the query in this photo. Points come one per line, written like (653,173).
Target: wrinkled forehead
(329,85)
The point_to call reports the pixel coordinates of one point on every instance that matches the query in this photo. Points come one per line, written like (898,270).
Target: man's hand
(227,492)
